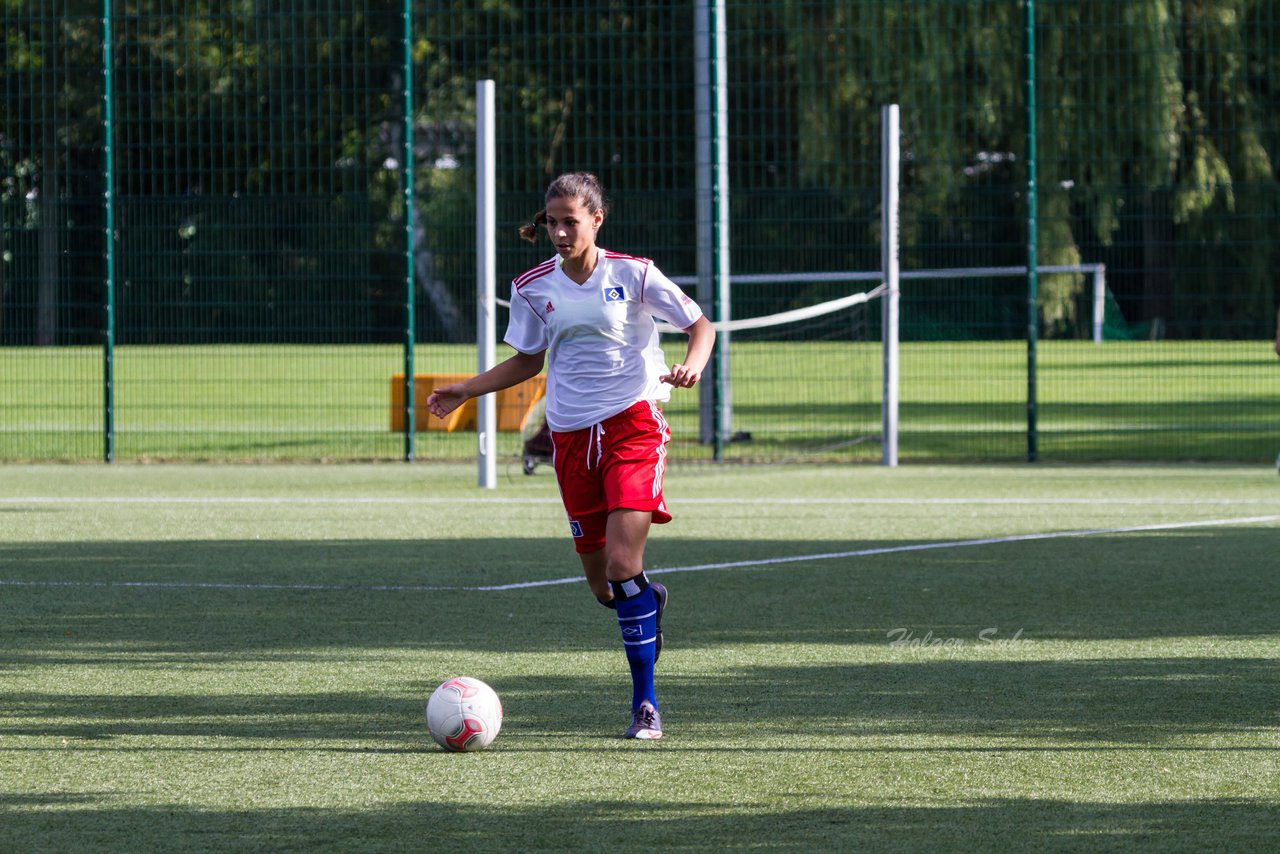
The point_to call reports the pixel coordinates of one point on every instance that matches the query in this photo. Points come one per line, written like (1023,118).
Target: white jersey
(601,341)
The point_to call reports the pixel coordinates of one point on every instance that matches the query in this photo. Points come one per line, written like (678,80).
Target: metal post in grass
(1099,301)
(109,245)
(486,272)
(1032,214)
(410,297)
(889,265)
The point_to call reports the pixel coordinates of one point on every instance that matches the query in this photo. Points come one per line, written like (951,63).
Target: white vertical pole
(1099,301)
(889,262)
(486,269)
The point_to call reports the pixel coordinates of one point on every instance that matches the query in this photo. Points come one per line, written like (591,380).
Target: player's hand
(445,399)
(682,376)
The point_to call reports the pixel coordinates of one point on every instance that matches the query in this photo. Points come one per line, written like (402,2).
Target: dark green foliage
(1160,133)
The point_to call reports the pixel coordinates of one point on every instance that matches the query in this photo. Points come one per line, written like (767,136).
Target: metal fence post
(410,294)
(1032,215)
(109,244)
(486,267)
(712,164)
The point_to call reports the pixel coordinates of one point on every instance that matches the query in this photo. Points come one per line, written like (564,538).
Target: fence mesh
(261,251)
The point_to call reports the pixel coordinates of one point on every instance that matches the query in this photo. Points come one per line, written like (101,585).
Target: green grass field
(929,658)
(808,401)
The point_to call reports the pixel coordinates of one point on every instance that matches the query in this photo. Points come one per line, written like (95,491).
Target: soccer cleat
(660,594)
(646,723)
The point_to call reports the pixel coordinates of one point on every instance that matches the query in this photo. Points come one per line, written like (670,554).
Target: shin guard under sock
(638,619)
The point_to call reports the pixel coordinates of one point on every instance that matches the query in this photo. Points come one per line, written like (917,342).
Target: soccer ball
(464,714)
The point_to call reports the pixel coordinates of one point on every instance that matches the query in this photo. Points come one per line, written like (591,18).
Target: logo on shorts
(614,294)
(550,307)
(575,528)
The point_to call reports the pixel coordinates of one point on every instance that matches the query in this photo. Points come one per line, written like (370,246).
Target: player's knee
(600,588)
(623,564)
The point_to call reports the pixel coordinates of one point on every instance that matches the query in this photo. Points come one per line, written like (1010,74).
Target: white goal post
(886,283)
(890,153)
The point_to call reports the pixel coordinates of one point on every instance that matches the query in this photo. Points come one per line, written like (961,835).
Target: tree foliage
(259,152)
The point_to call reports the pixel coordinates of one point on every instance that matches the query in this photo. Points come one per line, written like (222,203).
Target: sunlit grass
(821,400)
(237,657)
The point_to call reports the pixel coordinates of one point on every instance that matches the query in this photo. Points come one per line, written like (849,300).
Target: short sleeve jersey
(601,341)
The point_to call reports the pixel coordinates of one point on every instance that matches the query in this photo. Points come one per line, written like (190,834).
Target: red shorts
(616,464)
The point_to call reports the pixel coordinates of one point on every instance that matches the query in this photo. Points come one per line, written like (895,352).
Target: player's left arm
(702,337)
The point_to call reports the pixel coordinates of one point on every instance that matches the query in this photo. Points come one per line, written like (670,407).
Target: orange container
(514,404)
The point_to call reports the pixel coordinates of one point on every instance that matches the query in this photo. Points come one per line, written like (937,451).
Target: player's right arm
(513,371)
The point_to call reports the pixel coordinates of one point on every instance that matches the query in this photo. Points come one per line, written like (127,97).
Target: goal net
(804,381)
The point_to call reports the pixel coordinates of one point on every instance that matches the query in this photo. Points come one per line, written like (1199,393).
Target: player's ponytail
(529,231)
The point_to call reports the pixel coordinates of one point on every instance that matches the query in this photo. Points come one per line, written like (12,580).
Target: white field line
(914,547)
(701,567)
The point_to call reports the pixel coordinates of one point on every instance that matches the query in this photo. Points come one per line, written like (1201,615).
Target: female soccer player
(589,314)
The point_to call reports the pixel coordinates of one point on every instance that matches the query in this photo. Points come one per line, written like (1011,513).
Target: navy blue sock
(638,619)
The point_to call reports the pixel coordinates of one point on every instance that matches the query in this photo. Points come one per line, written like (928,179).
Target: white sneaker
(645,723)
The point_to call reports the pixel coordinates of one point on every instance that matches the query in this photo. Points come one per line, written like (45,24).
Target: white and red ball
(464,714)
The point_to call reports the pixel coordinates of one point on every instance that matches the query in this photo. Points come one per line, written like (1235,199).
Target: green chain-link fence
(241,287)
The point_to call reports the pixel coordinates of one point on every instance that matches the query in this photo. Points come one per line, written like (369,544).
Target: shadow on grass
(1172,599)
(1142,703)
(790,659)
(63,602)
(652,824)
